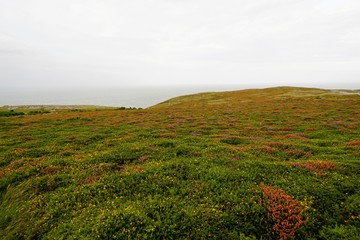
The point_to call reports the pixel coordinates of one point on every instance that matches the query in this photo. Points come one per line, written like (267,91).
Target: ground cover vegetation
(278,163)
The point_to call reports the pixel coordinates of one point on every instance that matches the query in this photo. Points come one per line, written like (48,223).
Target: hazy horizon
(117,97)
(139,96)
(76,44)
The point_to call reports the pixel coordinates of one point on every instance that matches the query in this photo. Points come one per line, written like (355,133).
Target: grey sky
(71,43)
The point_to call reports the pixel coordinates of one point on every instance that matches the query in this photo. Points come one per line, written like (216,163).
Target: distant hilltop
(216,98)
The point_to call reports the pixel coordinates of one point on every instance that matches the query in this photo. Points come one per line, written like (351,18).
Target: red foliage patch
(3,172)
(27,138)
(90,180)
(297,153)
(143,159)
(295,136)
(166,135)
(15,162)
(338,124)
(19,150)
(195,133)
(256,138)
(67,152)
(283,210)
(317,167)
(275,144)
(355,143)
(267,149)
(50,169)
(72,137)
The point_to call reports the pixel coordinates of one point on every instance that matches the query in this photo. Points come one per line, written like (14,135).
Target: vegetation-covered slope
(265,164)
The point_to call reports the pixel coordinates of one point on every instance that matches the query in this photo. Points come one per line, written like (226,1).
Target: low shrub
(283,211)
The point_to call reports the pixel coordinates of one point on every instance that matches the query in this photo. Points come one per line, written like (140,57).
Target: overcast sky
(72,43)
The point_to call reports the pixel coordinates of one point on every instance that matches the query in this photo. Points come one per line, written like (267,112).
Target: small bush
(232,140)
(340,232)
(10,113)
(36,112)
(283,210)
(317,167)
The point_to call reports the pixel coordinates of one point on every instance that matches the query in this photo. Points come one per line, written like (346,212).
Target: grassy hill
(252,164)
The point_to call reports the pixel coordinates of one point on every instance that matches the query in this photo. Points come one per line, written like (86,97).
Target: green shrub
(340,232)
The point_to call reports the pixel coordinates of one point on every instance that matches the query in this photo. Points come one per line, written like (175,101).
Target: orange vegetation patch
(283,210)
(317,167)
(14,163)
(51,169)
(67,152)
(4,172)
(19,165)
(298,153)
(72,137)
(355,143)
(295,136)
(90,180)
(166,135)
(267,149)
(275,144)
(27,138)
(19,150)
(143,159)
(338,124)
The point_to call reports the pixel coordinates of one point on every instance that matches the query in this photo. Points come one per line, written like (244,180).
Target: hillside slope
(233,97)
(252,164)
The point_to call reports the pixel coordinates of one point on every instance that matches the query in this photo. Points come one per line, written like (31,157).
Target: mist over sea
(118,97)
(140,96)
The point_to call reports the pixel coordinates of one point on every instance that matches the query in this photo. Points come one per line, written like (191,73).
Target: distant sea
(117,97)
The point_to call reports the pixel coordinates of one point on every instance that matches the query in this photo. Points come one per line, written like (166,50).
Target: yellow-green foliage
(205,166)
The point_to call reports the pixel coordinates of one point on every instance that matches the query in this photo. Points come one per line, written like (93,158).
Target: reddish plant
(28,138)
(240,148)
(283,210)
(275,144)
(143,159)
(19,150)
(50,169)
(355,143)
(295,136)
(195,133)
(256,138)
(338,124)
(67,152)
(317,167)
(72,137)
(298,153)
(166,135)
(267,149)
(90,180)
(3,172)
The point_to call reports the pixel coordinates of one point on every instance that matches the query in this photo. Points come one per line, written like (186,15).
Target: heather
(277,163)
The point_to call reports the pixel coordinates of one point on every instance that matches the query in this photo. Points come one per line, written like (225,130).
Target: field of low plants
(277,163)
